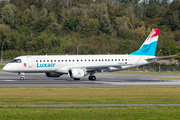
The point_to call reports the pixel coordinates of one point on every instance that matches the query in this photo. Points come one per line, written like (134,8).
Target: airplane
(79,66)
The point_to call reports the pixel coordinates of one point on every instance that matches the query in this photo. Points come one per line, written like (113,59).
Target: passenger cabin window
(51,60)
(122,59)
(58,60)
(54,60)
(125,59)
(40,61)
(36,60)
(44,61)
(16,61)
(47,60)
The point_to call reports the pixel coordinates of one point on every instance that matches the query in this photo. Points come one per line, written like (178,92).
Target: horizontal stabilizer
(158,57)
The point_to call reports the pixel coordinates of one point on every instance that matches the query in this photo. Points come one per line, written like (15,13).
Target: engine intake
(53,74)
(77,73)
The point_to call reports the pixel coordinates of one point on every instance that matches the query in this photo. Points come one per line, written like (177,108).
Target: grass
(1,67)
(91,113)
(170,78)
(88,95)
(142,72)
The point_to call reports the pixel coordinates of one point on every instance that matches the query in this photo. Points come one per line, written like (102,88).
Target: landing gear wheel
(89,77)
(76,78)
(21,78)
(93,78)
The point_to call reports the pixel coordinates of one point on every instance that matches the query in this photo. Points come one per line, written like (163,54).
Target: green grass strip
(89,95)
(170,78)
(142,72)
(91,113)
(1,67)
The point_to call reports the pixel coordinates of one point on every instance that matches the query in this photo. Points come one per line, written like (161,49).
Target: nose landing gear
(22,76)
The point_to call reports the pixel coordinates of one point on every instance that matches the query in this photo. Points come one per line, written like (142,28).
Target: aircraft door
(30,61)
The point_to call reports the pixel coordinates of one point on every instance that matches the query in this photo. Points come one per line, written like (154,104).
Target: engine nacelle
(53,74)
(77,73)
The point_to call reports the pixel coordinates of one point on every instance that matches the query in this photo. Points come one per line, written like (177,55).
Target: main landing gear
(22,76)
(92,78)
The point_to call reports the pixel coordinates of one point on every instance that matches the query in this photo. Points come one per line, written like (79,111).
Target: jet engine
(77,73)
(53,74)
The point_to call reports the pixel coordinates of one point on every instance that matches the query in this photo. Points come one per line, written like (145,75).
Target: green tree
(151,10)
(4,32)
(172,15)
(71,24)
(19,4)
(101,12)
(169,49)
(8,14)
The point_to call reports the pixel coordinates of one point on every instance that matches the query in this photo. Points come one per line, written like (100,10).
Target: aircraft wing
(101,67)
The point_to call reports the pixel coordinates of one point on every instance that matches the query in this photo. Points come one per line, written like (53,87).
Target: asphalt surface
(103,79)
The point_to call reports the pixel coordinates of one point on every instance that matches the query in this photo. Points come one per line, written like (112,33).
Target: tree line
(39,27)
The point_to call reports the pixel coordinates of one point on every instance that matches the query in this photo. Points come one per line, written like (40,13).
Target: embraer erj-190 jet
(78,66)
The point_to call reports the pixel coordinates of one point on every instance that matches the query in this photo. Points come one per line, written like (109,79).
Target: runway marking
(137,83)
(8,80)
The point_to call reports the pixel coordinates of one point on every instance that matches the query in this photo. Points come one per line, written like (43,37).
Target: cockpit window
(16,61)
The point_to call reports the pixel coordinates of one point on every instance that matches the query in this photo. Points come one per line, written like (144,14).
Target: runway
(103,79)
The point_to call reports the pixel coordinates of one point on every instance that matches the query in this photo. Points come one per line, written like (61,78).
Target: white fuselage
(62,63)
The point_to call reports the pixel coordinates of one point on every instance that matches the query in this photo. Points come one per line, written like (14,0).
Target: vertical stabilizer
(148,48)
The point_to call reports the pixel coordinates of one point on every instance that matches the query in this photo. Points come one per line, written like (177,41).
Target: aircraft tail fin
(148,48)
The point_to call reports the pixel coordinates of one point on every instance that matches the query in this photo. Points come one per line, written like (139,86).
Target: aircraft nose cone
(6,68)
